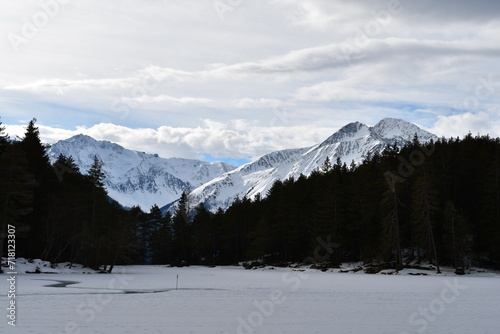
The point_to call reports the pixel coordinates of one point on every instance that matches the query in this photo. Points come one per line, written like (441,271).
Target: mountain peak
(348,132)
(138,178)
(394,129)
(389,122)
(351,128)
(80,137)
(353,142)
(84,141)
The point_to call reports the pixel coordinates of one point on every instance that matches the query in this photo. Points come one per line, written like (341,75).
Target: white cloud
(162,98)
(270,74)
(245,103)
(48,134)
(237,139)
(54,85)
(482,123)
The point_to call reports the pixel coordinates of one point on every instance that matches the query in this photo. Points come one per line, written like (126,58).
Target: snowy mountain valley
(304,244)
(138,178)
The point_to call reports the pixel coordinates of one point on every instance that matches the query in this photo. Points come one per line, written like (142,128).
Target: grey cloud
(426,11)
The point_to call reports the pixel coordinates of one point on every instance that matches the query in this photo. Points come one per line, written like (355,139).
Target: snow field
(228,300)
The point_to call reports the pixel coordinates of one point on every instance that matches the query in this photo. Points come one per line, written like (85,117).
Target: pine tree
(162,243)
(203,237)
(122,240)
(367,186)
(390,200)
(4,139)
(180,226)
(64,165)
(36,152)
(150,233)
(261,241)
(327,166)
(39,165)
(16,198)
(96,231)
(65,212)
(457,237)
(425,205)
(96,174)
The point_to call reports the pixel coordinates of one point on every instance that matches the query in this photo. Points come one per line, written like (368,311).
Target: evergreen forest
(436,203)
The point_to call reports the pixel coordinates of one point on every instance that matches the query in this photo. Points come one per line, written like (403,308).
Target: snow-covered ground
(228,300)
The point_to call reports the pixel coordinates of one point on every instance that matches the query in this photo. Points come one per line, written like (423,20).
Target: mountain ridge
(353,142)
(138,178)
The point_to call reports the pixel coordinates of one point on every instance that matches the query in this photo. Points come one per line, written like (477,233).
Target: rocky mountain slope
(138,178)
(353,142)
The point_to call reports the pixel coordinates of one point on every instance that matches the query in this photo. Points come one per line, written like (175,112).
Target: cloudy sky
(233,79)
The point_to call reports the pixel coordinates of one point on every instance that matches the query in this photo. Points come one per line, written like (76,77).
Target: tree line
(437,202)
(62,215)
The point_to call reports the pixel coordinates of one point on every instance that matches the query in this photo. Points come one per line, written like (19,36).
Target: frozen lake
(143,299)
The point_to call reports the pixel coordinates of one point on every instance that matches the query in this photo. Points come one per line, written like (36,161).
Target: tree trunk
(399,254)
(433,243)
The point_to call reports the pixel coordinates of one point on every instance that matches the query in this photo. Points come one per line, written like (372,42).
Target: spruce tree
(36,152)
(180,226)
(425,205)
(327,165)
(16,198)
(96,231)
(202,237)
(457,237)
(96,174)
(64,165)
(39,165)
(162,246)
(150,231)
(390,202)
(4,139)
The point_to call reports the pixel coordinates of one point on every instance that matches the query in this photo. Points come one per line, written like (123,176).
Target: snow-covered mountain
(138,178)
(353,142)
